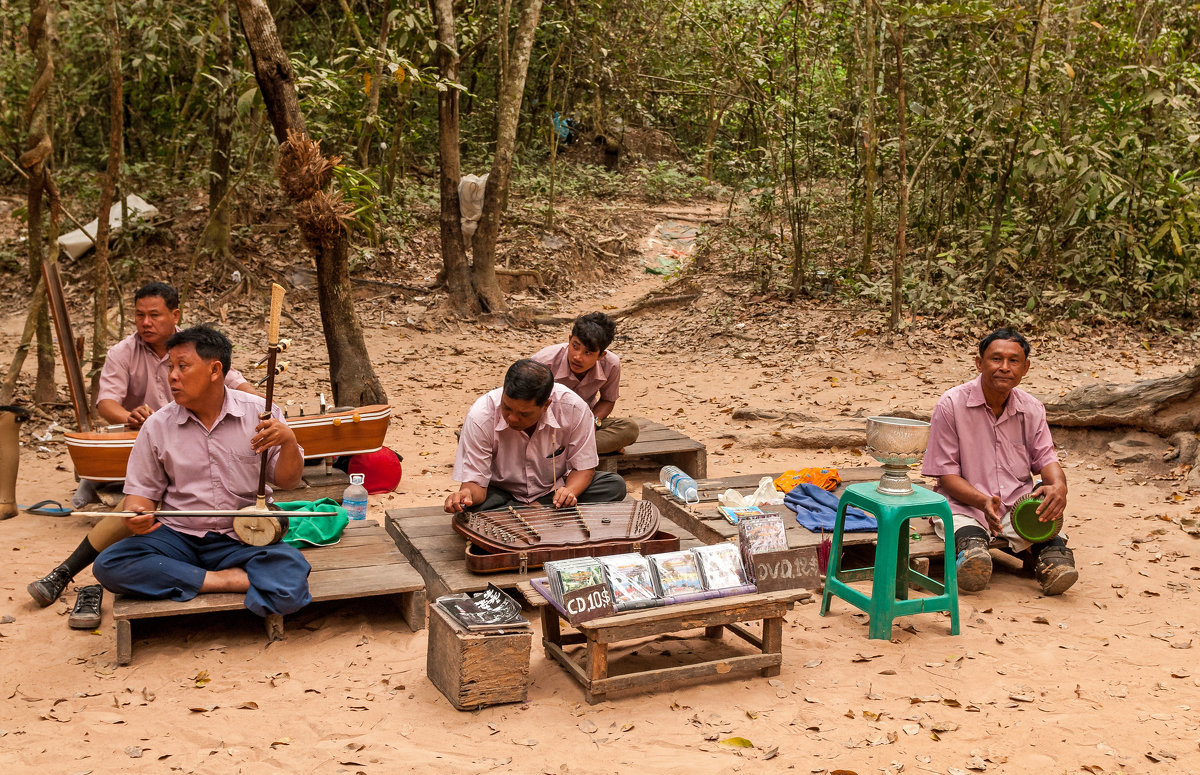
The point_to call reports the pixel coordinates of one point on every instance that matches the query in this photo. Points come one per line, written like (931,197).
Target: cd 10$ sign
(588,603)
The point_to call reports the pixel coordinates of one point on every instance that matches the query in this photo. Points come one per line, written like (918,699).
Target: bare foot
(228,580)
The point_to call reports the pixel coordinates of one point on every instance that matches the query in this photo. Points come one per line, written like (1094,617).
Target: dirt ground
(1100,680)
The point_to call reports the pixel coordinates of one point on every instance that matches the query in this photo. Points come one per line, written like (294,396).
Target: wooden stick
(206,513)
(277,292)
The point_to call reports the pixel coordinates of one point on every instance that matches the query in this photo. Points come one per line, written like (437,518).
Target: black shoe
(974,564)
(46,591)
(1055,570)
(86,613)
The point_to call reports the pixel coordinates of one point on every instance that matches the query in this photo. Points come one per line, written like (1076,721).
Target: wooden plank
(670,677)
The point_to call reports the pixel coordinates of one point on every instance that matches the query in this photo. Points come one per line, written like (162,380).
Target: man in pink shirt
(134,382)
(532,440)
(133,385)
(986,439)
(585,365)
(199,453)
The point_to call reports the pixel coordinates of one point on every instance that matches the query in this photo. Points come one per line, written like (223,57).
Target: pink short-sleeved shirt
(490,452)
(994,454)
(188,467)
(133,375)
(602,382)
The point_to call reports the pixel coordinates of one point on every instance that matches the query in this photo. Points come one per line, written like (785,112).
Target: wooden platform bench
(705,522)
(715,616)
(658,446)
(365,563)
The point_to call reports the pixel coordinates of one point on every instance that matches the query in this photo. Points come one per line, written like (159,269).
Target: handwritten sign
(787,569)
(588,603)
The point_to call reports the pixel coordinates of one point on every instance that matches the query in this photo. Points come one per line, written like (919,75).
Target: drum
(1026,523)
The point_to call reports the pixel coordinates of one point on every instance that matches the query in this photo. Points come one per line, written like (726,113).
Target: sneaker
(86,613)
(1055,570)
(974,564)
(45,591)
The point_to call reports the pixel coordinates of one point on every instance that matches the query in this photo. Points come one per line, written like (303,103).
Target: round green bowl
(1025,521)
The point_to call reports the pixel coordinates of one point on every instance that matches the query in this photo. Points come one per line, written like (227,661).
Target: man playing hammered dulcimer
(531,440)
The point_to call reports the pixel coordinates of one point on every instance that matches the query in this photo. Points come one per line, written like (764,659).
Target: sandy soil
(1100,680)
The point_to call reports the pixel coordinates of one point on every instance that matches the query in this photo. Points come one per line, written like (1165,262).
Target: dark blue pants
(168,564)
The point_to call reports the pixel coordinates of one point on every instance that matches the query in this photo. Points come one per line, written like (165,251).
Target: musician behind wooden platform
(531,441)
(134,384)
(199,453)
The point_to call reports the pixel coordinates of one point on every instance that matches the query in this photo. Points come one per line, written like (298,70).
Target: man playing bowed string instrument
(532,440)
(202,452)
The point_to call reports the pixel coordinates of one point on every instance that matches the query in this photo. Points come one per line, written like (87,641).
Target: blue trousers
(171,565)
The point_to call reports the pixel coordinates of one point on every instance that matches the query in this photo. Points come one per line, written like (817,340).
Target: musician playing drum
(532,440)
(199,453)
(133,384)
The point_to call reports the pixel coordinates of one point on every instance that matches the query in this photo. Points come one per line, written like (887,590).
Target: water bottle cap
(357,478)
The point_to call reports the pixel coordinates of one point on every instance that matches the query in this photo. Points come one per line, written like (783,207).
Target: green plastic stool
(891,574)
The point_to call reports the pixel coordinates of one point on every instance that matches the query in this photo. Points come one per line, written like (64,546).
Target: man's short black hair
(528,380)
(169,295)
(595,329)
(1003,334)
(210,344)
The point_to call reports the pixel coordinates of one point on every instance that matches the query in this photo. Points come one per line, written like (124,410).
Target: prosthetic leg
(10,457)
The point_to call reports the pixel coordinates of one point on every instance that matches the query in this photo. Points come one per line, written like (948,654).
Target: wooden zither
(522,537)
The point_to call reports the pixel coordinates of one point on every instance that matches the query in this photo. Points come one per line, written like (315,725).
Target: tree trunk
(454,260)
(36,162)
(304,172)
(215,240)
(116,134)
(1163,406)
(377,65)
(869,142)
(902,171)
(508,112)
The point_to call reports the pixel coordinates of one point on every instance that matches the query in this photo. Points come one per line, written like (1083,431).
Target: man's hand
(1054,501)
(271,433)
(458,501)
(138,416)
(564,498)
(143,523)
(991,510)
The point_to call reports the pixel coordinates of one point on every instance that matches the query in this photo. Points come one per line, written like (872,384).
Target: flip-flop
(46,508)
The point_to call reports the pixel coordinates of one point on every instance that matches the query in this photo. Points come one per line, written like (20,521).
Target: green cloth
(314,531)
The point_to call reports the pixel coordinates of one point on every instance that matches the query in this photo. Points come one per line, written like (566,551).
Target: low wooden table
(365,563)
(705,522)
(715,616)
(658,446)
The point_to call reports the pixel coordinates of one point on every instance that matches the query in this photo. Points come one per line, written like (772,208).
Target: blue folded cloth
(816,509)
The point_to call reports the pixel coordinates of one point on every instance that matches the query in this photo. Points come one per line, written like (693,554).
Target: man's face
(155,323)
(520,415)
(1003,366)
(191,376)
(579,357)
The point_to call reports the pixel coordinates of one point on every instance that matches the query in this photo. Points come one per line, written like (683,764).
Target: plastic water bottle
(680,484)
(354,499)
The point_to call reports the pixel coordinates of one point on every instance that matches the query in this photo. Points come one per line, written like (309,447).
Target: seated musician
(532,440)
(133,385)
(586,365)
(201,453)
(985,439)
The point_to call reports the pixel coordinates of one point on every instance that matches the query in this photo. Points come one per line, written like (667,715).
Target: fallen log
(801,438)
(1163,406)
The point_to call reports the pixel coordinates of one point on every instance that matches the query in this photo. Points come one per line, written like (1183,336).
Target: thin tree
(116,134)
(35,161)
(870,142)
(902,170)
(304,173)
(215,240)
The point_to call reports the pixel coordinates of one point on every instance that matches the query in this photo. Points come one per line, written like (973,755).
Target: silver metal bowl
(897,443)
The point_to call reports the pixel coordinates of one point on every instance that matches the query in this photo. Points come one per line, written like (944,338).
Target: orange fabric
(825,478)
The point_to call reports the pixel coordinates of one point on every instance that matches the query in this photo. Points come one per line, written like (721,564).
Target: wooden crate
(365,563)
(658,446)
(475,669)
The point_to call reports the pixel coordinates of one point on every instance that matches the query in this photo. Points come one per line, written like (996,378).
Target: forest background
(988,160)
